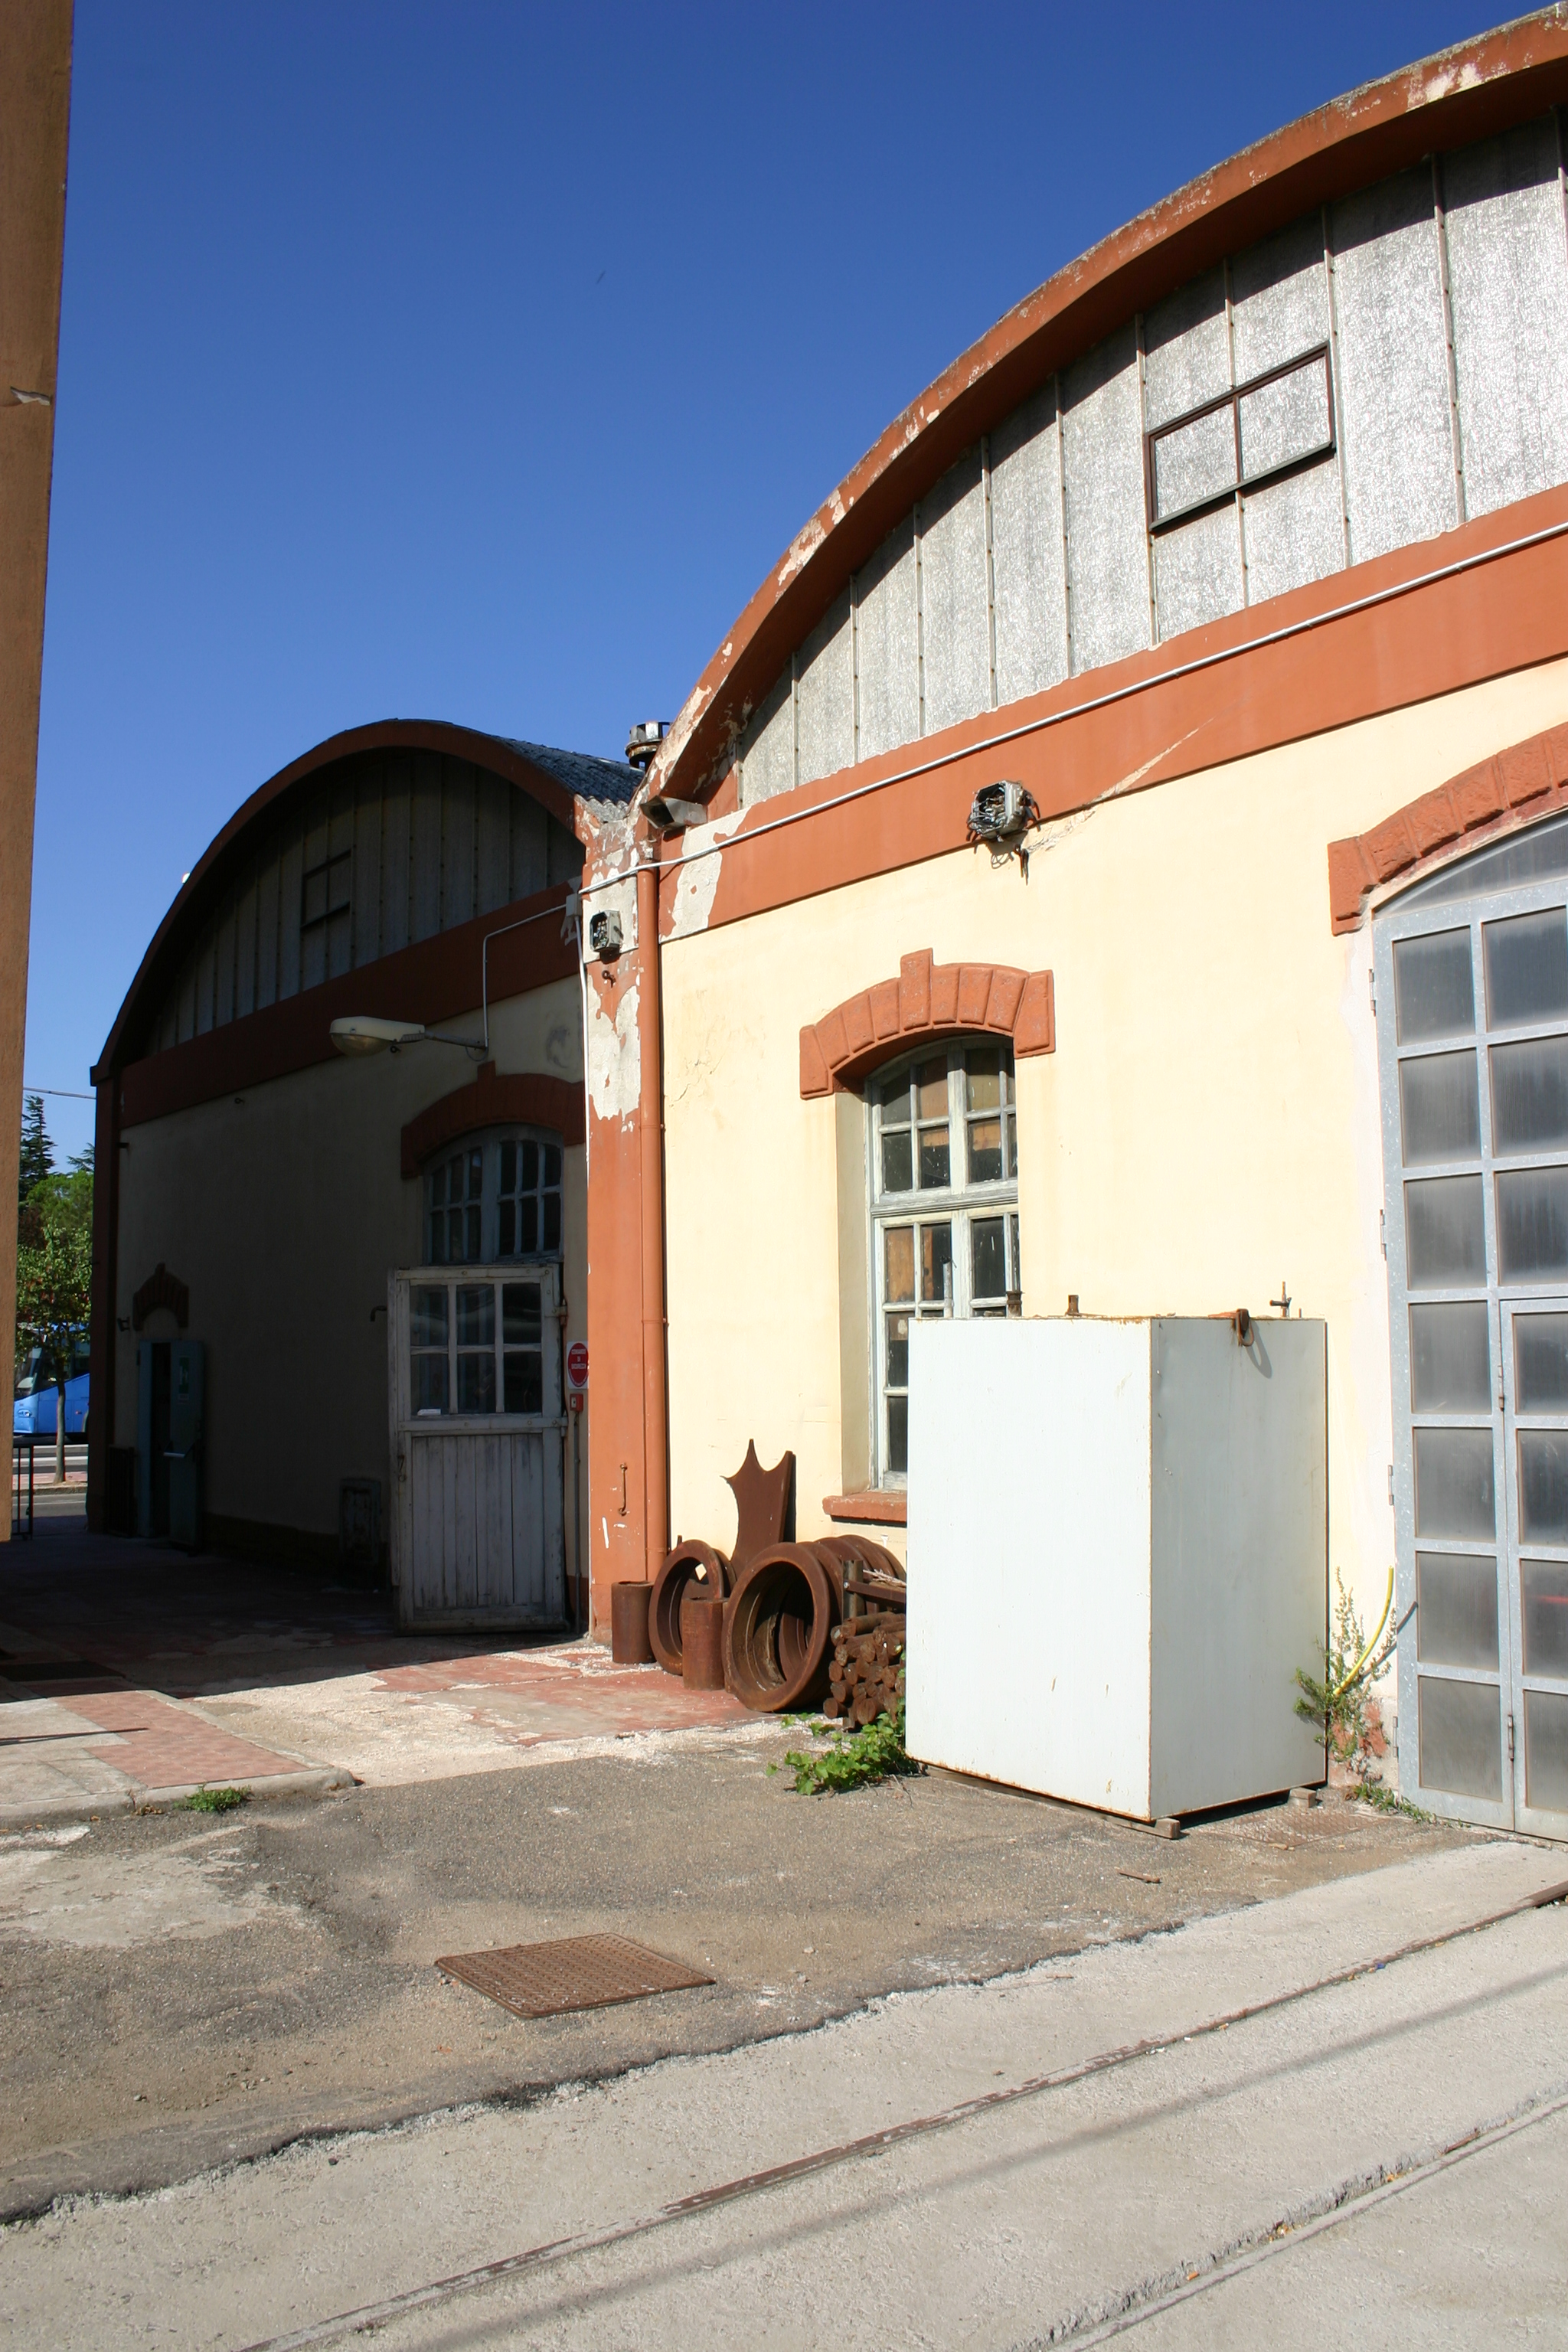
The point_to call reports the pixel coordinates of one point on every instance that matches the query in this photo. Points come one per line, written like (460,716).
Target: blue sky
(474,362)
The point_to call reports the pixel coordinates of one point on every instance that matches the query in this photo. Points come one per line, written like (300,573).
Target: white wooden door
(478,1438)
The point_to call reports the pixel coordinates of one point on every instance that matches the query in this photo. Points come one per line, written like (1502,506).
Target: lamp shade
(361,1033)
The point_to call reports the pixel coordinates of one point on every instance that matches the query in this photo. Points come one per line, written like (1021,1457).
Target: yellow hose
(1387,1605)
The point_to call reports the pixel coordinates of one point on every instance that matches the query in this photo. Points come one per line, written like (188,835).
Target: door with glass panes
(1471,989)
(478,1432)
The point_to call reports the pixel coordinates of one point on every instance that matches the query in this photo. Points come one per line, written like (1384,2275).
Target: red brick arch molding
(1510,790)
(927,1003)
(162,1288)
(514,1100)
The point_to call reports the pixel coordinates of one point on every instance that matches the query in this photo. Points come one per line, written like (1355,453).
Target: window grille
(499,1197)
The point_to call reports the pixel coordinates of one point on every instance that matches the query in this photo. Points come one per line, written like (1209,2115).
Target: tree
(37,1159)
(54,1282)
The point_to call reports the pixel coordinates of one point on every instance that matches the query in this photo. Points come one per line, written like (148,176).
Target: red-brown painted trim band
(874,1508)
(516,1098)
(431,982)
(1466,93)
(1514,787)
(926,1003)
(1484,601)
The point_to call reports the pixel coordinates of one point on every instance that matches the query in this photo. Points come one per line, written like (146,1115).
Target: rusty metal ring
(679,1569)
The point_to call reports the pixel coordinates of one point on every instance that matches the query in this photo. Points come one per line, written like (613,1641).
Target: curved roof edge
(561,781)
(1468,93)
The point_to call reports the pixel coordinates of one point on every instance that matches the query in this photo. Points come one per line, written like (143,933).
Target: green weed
(875,1752)
(216,1801)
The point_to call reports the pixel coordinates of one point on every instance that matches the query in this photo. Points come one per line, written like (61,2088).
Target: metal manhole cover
(574,1972)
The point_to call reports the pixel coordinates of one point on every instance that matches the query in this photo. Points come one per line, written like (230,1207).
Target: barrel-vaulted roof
(1466,93)
(567,784)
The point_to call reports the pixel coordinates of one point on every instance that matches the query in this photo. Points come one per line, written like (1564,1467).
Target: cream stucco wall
(283,1210)
(1206,1128)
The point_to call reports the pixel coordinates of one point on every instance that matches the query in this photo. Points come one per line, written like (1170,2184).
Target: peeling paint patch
(615,1058)
(698,877)
(801,547)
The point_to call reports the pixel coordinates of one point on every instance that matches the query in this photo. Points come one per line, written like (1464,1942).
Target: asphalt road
(178,1991)
(1336,2117)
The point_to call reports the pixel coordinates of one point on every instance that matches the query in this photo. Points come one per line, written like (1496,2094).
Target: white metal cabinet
(1118,1557)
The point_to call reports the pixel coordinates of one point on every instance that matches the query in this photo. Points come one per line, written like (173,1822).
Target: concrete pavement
(1147,2139)
(130,1673)
(180,1993)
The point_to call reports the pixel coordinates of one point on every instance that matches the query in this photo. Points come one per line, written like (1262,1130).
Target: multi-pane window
(476,1348)
(530,1198)
(456,1231)
(944,1223)
(497,1198)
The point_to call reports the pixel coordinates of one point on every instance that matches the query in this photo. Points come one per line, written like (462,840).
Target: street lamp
(359,1034)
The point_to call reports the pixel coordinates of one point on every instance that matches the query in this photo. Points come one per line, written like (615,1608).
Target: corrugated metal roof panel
(611,780)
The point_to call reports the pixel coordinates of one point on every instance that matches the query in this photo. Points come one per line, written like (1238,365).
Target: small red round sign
(577,1365)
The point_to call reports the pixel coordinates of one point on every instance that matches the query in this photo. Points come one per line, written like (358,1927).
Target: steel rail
(802,2167)
(1347,2207)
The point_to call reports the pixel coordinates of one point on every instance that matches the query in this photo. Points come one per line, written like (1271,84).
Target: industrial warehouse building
(1223,589)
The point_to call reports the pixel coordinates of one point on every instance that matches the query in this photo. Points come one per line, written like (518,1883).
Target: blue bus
(34,1413)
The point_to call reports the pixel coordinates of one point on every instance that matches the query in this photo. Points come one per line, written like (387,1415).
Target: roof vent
(645,740)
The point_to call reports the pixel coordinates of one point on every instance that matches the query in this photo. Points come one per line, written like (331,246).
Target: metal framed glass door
(1535,1362)
(1470,981)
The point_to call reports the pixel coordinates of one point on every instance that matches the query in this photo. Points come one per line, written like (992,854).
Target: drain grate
(575,1972)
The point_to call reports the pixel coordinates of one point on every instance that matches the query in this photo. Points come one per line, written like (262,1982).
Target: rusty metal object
(629,1645)
(762,1505)
(879,1560)
(777,1623)
(573,1972)
(866,1670)
(701,1641)
(691,1567)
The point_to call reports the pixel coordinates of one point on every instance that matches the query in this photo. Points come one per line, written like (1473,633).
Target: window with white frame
(496,1197)
(944,1217)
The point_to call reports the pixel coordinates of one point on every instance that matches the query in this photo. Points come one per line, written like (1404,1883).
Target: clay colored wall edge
(36,77)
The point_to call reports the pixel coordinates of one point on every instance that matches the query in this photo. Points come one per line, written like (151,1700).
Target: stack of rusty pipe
(866,1675)
(782,1618)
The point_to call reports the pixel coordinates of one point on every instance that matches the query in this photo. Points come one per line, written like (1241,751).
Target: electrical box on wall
(1117,1556)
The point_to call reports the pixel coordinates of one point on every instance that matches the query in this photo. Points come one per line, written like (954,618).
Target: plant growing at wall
(875,1752)
(1335,1706)
(54,1282)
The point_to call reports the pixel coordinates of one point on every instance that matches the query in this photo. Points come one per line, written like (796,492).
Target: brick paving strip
(159,1745)
(159,1749)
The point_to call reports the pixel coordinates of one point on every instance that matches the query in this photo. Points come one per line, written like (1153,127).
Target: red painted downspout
(650,1123)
